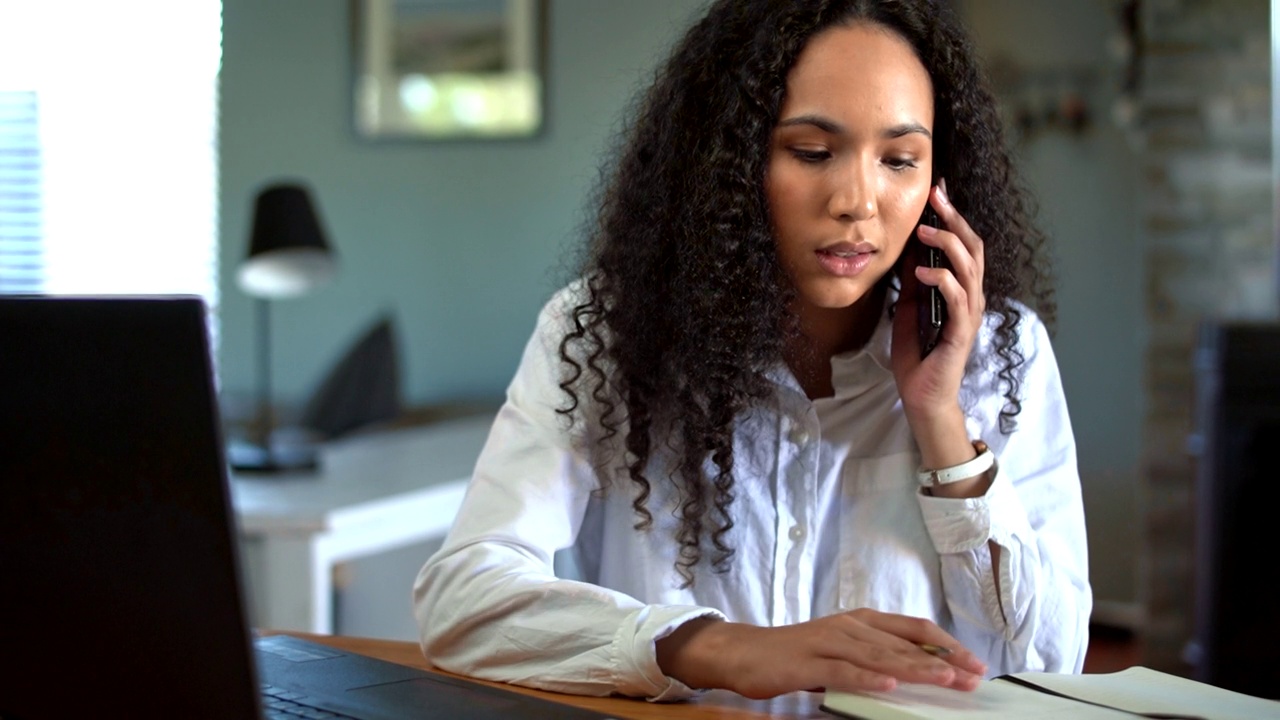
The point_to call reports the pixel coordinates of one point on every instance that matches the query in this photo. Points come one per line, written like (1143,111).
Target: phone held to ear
(931,307)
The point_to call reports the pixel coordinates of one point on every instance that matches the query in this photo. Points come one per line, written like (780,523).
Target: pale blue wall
(1087,188)
(462,241)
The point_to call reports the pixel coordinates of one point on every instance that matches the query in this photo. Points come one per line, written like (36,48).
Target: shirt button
(799,435)
(796,533)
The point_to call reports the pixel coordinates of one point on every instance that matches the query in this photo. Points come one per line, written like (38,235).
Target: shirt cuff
(959,525)
(635,653)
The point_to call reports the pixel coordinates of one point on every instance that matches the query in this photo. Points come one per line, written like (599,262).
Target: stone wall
(1202,103)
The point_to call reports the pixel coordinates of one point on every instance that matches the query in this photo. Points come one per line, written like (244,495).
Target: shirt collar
(853,369)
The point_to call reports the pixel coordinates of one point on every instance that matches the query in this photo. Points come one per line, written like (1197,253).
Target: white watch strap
(980,464)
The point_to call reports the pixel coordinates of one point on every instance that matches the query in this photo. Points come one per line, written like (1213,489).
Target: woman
(730,420)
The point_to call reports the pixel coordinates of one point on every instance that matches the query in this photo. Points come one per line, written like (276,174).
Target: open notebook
(1137,691)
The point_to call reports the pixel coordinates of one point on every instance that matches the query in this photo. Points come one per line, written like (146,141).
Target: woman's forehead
(860,69)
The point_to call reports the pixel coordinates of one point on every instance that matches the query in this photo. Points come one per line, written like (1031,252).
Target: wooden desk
(373,493)
(716,705)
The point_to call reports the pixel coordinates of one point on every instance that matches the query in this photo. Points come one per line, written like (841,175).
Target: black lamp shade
(288,254)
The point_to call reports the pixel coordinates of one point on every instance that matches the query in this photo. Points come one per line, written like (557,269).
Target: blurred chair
(362,388)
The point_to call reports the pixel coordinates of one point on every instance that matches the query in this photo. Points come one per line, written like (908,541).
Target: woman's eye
(899,163)
(810,156)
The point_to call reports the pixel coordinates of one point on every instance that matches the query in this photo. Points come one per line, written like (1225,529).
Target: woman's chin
(839,295)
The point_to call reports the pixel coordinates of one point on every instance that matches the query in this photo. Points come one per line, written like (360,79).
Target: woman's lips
(845,259)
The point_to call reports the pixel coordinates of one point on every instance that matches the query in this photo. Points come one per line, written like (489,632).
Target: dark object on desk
(120,585)
(1237,629)
(366,687)
(122,591)
(362,389)
(288,256)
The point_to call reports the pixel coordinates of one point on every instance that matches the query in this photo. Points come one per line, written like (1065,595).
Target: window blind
(21,257)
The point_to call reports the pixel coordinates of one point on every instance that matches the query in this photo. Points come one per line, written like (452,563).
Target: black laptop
(120,593)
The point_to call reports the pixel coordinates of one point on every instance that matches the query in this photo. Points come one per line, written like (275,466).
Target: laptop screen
(121,586)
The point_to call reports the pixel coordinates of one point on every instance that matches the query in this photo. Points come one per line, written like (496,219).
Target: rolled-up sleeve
(488,603)
(1037,620)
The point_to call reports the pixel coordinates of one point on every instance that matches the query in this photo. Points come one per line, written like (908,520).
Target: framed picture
(449,69)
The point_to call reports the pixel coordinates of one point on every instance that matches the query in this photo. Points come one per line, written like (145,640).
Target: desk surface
(717,705)
(374,492)
(361,471)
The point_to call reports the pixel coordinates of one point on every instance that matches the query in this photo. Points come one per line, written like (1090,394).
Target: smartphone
(931,307)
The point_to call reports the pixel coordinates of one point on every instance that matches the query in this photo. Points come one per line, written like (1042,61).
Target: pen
(936,650)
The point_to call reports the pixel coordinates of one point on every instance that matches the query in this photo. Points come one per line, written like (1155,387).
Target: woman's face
(850,162)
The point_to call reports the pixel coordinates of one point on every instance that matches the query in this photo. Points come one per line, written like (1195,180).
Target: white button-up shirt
(828,516)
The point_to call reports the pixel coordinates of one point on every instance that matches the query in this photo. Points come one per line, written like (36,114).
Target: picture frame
(448,69)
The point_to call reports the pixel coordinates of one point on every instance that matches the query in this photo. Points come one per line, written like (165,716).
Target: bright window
(120,99)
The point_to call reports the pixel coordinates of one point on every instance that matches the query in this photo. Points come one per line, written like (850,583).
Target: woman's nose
(853,194)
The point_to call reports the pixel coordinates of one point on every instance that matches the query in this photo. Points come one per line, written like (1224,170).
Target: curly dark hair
(685,304)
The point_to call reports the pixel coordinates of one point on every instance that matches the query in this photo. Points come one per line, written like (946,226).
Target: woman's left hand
(930,387)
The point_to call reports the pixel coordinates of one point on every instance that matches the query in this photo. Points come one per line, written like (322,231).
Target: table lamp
(288,257)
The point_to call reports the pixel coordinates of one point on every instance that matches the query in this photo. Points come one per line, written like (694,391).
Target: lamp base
(249,459)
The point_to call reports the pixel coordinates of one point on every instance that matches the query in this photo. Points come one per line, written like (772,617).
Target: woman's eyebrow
(906,128)
(828,125)
(824,124)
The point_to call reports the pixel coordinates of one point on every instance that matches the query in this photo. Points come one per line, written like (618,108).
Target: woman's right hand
(860,650)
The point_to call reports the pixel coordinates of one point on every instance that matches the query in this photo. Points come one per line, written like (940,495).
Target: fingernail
(942,191)
(927,231)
